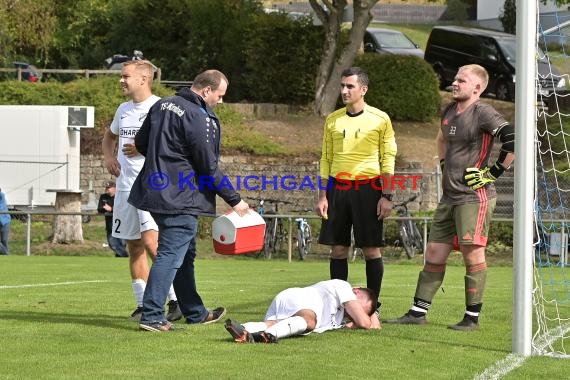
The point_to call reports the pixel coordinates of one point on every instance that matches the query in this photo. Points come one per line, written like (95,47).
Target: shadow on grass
(98,320)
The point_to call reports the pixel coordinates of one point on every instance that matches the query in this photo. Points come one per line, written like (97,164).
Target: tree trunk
(328,77)
(67,228)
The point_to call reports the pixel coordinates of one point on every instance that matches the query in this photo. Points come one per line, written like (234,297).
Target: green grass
(66,317)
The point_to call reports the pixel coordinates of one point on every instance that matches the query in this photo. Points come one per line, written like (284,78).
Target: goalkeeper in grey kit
(463,215)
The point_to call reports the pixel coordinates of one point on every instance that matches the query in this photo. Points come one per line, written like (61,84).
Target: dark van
(450,47)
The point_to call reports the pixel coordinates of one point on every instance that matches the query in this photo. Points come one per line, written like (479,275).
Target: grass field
(66,318)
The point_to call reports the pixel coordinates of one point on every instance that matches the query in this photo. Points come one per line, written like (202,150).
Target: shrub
(104,94)
(501,232)
(281,58)
(405,87)
(457,10)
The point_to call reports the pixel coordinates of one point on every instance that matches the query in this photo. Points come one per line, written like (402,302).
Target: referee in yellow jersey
(357,162)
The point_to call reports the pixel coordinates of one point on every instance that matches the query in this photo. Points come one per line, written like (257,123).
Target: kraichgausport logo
(342,181)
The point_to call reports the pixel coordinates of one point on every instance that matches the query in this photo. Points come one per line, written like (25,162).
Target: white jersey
(126,123)
(325,298)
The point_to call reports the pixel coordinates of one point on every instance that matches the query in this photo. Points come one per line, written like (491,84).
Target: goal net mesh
(551,292)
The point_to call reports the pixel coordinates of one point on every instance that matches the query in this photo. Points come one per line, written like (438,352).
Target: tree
(185,37)
(81,39)
(509,16)
(27,28)
(336,57)
(67,228)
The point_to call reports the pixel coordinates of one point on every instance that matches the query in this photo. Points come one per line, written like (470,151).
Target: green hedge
(105,95)
(267,57)
(405,87)
(281,59)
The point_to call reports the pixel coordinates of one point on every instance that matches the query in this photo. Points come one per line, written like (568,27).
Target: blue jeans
(174,264)
(117,245)
(4,234)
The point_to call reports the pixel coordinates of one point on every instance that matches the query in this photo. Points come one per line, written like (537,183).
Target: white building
(40,151)
(488,12)
(491,9)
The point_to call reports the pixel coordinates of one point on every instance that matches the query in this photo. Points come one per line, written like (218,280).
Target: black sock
(339,269)
(472,312)
(420,308)
(374,275)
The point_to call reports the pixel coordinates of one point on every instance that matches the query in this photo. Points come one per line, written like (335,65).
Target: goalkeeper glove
(477,178)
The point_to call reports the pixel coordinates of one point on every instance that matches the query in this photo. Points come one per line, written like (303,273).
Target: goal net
(551,292)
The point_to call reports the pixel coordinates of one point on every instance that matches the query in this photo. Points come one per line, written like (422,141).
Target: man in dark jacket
(105,206)
(180,139)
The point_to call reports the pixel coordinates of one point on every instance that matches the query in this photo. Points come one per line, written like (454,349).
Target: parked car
(389,41)
(116,61)
(30,73)
(450,47)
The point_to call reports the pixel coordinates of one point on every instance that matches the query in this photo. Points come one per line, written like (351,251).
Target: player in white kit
(135,226)
(326,305)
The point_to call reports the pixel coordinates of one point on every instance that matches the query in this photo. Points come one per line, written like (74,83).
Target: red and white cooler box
(235,235)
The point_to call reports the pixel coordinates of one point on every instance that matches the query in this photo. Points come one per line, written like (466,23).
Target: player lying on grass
(326,305)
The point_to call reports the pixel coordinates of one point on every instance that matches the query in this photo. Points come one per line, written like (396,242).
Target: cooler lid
(224,227)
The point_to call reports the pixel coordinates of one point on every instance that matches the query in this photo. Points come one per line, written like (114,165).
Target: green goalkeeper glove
(477,178)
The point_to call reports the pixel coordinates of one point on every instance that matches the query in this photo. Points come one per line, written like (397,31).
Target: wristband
(496,170)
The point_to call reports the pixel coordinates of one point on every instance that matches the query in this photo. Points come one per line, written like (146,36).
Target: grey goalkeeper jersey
(469,137)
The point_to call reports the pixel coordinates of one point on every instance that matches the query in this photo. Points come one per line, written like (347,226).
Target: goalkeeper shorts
(465,224)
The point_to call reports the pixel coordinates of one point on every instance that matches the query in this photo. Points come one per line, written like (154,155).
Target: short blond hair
(478,71)
(143,67)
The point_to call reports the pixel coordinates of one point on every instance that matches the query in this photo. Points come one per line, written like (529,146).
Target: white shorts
(128,221)
(291,300)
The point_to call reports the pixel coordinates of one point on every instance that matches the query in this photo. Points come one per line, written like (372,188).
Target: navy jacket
(180,139)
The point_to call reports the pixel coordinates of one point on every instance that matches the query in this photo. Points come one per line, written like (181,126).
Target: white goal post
(541,269)
(525,116)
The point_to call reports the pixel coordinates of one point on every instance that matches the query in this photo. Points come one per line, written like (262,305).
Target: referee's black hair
(360,73)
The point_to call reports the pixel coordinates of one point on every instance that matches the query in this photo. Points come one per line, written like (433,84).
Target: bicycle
(275,232)
(356,251)
(267,237)
(304,237)
(410,235)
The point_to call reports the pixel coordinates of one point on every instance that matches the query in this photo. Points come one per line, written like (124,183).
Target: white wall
(491,9)
(38,152)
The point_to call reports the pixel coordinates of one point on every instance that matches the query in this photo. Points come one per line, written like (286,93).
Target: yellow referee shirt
(363,145)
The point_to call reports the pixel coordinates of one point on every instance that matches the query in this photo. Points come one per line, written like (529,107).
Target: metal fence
(85,73)
(28,217)
(394,13)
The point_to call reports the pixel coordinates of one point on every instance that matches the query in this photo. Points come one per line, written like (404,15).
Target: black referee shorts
(352,204)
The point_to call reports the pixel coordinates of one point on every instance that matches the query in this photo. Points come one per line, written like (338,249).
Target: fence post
(425,238)
(289,253)
(438,179)
(28,234)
